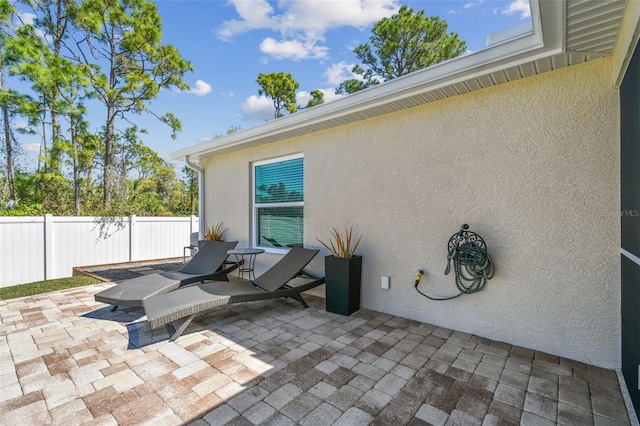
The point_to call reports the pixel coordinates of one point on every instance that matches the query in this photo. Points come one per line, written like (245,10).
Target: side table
(248,258)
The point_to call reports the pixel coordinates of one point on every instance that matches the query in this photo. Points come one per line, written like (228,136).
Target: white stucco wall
(532,166)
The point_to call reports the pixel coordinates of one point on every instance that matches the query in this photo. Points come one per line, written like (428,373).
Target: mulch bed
(131,270)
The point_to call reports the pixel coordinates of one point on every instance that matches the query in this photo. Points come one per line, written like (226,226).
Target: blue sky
(230,42)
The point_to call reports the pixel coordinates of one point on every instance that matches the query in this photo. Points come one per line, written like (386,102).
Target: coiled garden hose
(471,264)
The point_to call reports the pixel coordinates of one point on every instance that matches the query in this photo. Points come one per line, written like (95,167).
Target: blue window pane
(280,182)
(280,226)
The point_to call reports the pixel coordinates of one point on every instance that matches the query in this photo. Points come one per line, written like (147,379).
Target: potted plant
(343,272)
(213,233)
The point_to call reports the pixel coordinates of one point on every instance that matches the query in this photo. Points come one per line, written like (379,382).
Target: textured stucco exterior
(532,166)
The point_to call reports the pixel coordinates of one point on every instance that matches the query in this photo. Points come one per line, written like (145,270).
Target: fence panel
(82,241)
(38,248)
(21,250)
(161,237)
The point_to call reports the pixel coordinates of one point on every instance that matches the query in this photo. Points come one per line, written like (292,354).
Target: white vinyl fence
(39,248)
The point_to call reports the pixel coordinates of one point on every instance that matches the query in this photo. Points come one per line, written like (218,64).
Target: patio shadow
(140,335)
(122,314)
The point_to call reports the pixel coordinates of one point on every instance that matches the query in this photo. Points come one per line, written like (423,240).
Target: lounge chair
(284,279)
(207,264)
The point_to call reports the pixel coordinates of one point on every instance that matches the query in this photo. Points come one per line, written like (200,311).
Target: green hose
(469,278)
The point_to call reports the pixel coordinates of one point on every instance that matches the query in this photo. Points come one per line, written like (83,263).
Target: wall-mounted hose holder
(472,266)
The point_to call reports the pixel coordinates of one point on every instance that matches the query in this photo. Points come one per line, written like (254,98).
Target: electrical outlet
(385,282)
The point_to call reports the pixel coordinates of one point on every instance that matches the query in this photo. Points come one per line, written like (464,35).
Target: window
(278,200)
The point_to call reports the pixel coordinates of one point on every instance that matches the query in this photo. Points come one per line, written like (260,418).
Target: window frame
(255,206)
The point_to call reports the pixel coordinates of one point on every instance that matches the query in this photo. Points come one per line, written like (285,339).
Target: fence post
(49,252)
(134,240)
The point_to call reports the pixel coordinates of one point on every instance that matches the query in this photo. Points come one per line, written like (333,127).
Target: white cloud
(518,6)
(21,124)
(303,97)
(27,18)
(465,7)
(253,15)
(309,16)
(471,4)
(337,73)
(201,88)
(315,16)
(293,49)
(31,148)
(330,95)
(258,108)
(302,24)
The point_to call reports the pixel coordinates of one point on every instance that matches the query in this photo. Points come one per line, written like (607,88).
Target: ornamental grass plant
(341,244)
(215,232)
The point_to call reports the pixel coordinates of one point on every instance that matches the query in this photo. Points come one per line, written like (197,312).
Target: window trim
(254,207)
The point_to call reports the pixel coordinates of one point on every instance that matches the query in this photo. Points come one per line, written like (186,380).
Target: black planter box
(342,279)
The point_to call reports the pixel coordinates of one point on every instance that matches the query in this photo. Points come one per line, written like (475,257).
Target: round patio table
(246,258)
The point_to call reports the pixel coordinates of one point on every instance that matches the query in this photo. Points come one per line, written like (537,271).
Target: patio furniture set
(202,284)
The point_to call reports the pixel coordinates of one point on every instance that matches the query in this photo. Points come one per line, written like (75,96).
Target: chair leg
(299,298)
(113,308)
(180,325)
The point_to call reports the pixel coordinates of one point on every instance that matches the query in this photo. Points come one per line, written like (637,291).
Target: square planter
(342,279)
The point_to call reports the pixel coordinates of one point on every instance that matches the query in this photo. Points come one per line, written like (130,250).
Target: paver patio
(65,359)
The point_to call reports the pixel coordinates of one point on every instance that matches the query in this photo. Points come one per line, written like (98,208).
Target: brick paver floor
(65,359)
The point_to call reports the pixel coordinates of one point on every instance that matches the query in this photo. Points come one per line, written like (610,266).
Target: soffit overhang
(562,33)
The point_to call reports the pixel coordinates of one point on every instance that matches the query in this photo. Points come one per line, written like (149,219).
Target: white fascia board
(546,39)
(628,38)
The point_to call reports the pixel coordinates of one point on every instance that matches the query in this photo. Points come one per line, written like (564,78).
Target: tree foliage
(401,44)
(125,36)
(317,98)
(61,86)
(281,88)
(190,190)
(9,142)
(73,52)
